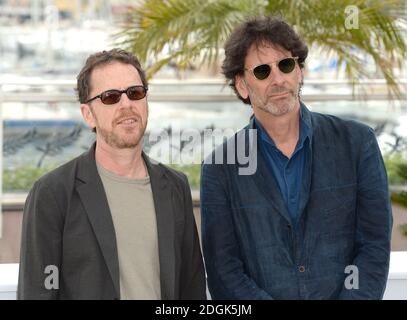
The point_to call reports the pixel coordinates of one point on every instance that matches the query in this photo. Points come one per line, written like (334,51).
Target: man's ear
(88,115)
(241,86)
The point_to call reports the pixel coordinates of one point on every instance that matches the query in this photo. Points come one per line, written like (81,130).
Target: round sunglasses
(113,96)
(262,71)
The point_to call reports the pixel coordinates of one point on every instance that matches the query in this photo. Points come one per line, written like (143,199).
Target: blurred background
(355,70)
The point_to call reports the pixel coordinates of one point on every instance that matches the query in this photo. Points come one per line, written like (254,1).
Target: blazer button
(301,269)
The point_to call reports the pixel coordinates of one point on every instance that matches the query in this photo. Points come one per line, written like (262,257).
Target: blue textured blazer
(341,246)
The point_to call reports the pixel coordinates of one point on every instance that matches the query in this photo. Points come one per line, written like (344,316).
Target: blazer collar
(93,196)
(162,195)
(265,179)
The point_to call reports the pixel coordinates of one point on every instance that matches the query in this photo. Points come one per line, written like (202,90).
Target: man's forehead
(113,66)
(266,48)
(115,75)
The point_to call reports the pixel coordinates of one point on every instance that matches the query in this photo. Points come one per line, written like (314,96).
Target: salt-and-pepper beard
(271,107)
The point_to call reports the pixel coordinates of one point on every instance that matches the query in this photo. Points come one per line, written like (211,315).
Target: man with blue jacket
(313,219)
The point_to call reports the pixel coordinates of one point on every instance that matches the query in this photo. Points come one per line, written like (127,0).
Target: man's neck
(284,130)
(123,162)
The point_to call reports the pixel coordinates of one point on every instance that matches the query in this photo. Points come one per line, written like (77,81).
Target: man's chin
(128,143)
(122,142)
(120,139)
(277,111)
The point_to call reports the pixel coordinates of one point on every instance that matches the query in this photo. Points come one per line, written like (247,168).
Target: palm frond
(159,30)
(193,31)
(376,37)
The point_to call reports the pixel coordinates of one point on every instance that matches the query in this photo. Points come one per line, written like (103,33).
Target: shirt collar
(305,128)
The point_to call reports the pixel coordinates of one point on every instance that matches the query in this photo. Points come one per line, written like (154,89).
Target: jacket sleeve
(373,226)
(224,266)
(193,282)
(41,241)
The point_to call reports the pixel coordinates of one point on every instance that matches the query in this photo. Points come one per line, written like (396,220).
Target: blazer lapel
(308,168)
(165,226)
(267,184)
(94,200)
(265,180)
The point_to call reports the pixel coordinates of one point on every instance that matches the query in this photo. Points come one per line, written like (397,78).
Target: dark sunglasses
(113,96)
(262,71)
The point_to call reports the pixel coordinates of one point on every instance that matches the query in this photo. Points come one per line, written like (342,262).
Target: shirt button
(301,269)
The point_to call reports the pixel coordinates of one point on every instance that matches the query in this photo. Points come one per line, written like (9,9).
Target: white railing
(198,90)
(396,284)
(396,288)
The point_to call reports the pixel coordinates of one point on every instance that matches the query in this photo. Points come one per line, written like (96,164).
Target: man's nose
(125,102)
(276,76)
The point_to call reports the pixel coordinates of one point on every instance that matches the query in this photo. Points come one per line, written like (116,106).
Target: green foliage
(193,172)
(398,170)
(400,198)
(190,29)
(22,179)
(403,229)
(194,31)
(402,170)
(396,166)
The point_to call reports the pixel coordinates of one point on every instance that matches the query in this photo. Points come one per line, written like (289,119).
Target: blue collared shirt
(288,172)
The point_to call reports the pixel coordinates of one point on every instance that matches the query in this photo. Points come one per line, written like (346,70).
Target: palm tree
(194,31)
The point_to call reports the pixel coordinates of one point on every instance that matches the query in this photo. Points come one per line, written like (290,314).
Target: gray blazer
(67,225)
